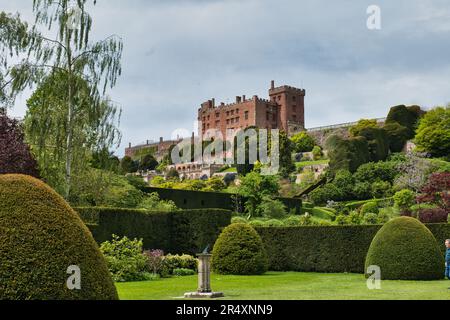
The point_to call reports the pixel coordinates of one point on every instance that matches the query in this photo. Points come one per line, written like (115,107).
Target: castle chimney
(243,98)
(161,140)
(148,142)
(129,145)
(272,85)
(213,103)
(238,99)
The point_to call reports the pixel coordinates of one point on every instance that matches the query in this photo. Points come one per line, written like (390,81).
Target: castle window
(217,115)
(237,111)
(279,98)
(228,121)
(294,117)
(232,112)
(294,99)
(294,109)
(246,115)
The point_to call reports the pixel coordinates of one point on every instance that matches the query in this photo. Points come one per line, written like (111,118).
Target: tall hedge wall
(332,249)
(186,199)
(183,231)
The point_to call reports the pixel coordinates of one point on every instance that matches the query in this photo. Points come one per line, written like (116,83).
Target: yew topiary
(239,251)
(405,249)
(40,238)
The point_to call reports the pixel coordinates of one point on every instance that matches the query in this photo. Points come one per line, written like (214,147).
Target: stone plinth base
(206,295)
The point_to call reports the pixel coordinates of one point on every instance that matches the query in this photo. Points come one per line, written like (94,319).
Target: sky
(178,54)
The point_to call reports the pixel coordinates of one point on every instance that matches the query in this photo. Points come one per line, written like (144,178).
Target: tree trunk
(70,105)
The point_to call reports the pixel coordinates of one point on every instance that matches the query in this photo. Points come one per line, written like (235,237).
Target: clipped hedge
(405,249)
(181,231)
(239,251)
(330,249)
(187,199)
(40,238)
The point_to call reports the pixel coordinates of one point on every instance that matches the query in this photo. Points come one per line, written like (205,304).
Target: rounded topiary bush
(40,238)
(405,249)
(239,251)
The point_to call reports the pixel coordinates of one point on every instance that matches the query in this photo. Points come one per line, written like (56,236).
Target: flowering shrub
(436,191)
(125,259)
(155,260)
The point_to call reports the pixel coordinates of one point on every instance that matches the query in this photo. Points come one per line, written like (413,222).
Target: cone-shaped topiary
(239,251)
(405,249)
(40,238)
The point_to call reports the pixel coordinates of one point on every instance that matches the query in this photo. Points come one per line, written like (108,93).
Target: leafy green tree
(404,199)
(303,142)
(347,154)
(148,162)
(127,165)
(407,117)
(363,124)
(317,153)
(14,43)
(46,124)
(172,174)
(105,160)
(71,55)
(255,187)
(377,141)
(397,135)
(433,134)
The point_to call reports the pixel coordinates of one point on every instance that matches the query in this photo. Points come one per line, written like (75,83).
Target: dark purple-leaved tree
(15,155)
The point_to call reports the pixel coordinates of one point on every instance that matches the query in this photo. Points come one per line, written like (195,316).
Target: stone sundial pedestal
(204,280)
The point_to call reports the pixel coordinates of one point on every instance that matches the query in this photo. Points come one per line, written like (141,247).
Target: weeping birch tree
(58,44)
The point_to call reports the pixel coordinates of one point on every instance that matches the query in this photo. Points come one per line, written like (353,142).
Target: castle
(284,110)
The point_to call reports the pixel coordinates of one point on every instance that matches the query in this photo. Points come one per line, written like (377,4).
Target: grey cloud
(180,53)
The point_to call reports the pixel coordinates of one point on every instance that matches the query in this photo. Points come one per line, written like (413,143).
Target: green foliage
(407,117)
(274,223)
(381,189)
(369,207)
(330,249)
(255,188)
(378,143)
(181,231)
(370,218)
(125,259)
(128,165)
(326,193)
(172,174)
(397,135)
(317,153)
(183,272)
(405,199)
(271,208)
(148,162)
(171,263)
(40,237)
(153,202)
(405,249)
(362,124)
(239,251)
(380,171)
(257,223)
(347,154)
(433,134)
(303,142)
(239,220)
(47,124)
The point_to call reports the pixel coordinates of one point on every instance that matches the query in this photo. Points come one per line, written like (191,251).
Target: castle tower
(291,102)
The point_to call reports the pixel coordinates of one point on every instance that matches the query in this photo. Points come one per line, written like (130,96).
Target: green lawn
(289,286)
(301,165)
